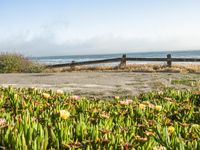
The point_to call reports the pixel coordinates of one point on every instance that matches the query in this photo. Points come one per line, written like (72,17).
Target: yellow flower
(194,136)
(46,95)
(195,126)
(60,92)
(158,108)
(15,96)
(64,114)
(170,129)
(142,106)
(167,121)
(97,139)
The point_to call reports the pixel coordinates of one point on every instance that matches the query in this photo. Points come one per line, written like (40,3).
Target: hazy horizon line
(117,53)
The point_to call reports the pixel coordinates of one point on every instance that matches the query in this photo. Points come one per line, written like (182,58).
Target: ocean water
(78,58)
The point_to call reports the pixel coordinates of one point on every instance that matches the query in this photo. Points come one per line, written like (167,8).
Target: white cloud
(58,39)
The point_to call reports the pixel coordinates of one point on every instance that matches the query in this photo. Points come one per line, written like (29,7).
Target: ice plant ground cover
(37,119)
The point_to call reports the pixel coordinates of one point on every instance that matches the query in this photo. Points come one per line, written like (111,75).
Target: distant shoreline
(118,53)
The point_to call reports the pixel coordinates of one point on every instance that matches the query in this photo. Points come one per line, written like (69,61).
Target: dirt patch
(102,84)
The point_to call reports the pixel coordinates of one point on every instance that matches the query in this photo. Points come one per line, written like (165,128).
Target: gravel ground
(99,84)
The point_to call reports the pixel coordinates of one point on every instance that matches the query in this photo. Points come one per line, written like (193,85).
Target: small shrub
(14,63)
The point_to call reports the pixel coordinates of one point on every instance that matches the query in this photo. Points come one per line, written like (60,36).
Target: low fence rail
(123,61)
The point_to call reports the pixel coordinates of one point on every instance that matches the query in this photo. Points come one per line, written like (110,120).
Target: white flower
(117,97)
(126,102)
(74,97)
(2,121)
(159,148)
(60,92)
(104,115)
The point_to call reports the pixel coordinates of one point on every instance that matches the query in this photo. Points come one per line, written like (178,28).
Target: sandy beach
(100,84)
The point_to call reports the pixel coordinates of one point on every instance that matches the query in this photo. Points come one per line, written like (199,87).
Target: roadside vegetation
(16,63)
(187,82)
(176,68)
(39,119)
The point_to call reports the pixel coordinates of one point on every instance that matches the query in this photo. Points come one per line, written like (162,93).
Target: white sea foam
(80,58)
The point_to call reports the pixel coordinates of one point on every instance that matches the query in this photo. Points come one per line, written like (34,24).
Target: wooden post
(73,65)
(123,61)
(169,60)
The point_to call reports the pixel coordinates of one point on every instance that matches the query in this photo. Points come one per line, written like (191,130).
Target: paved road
(97,84)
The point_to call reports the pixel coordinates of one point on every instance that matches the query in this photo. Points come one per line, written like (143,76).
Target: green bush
(14,63)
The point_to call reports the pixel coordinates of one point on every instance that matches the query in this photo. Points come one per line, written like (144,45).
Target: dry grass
(184,68)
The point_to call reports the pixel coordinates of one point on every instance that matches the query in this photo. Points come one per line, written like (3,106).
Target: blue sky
(66,27)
